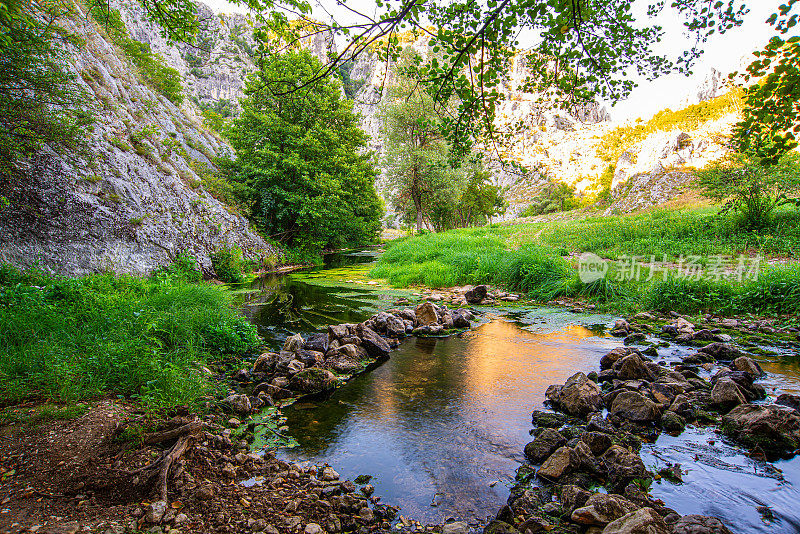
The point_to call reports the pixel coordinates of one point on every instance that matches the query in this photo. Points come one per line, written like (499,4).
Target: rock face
(138,199)
(642,521)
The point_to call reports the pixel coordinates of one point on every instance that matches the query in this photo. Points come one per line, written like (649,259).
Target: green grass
(533,258)
(149,339)
(42,413)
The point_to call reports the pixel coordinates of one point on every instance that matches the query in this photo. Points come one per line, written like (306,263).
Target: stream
(441,425)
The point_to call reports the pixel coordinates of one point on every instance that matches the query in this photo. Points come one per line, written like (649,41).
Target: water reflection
(444,418)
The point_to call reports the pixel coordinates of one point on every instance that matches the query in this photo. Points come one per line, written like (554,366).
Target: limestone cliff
(137,199)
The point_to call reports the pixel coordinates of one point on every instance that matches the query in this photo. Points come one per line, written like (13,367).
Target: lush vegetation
(539,259)
(149,339)
(301,162)
(555,196)
(39,101)
(751,188)
(163,79)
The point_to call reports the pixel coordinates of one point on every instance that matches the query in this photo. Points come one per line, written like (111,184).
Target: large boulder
(238,403)
(375,345)
(339,331)
(293,343)
(313,380)
(265,363)
(317,342)
(476,294)
(642,521)
(787,399)
(776,429)
(726,394)
(635,407)
(426,314)
(632,367)
(699,524)
(608,360)
(499,527)
(579,396)
(601,509)
(389,324)
(560,463)
(747,365)
(623,465)
(545,444)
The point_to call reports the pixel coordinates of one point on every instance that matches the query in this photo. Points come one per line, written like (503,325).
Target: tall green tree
(39,101)
(302,159)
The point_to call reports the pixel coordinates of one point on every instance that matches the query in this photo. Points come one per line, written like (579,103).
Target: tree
(416,157)
(481,200)
(302,158)
(39,102)
(772,104)
(751,188)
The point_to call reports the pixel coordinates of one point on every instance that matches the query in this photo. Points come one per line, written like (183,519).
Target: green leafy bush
(184,268)
(228,264)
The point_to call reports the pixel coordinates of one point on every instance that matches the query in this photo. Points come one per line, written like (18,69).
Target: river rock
(317,342)
(632,367)
(476,294)
(747,365)
(375,345)
(579,396)
(560,463)
(726,394)
(601,509)
(642,521)
(294,367)
(573,497)
(311,358)
(293,343)
(499,527)
(598,423)
(313,380)
(608,360)
(338,331)
(598,442)
(699,524)
(623,464)
(634,407)
(722,351)
(265,363)
(456,527)
(672,422)
(389,324)
(792,401)
(776,429)
(425,314)
(545,444)
(238,403)
(460,319)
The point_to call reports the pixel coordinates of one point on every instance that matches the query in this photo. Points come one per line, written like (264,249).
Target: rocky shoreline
(591,441)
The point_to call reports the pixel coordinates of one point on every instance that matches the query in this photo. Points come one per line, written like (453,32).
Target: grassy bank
(68,339)
(535,258)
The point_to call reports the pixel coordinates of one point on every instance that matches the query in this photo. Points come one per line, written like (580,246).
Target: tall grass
(510,257)
(69,339)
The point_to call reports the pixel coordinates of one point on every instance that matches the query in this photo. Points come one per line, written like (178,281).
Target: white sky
(722,52)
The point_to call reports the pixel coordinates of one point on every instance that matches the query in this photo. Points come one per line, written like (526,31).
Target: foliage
(614,143)
(350,86)
(183,268)
(39,100)
(556,196)
(163,79)
(772,104)
(301,159)
(213,120)
(228,264)
(750,188)
(67,339)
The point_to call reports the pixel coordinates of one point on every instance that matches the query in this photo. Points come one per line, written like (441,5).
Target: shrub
(228,264)
(184,267)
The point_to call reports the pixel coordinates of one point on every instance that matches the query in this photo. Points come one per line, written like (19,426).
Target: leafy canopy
(302,158)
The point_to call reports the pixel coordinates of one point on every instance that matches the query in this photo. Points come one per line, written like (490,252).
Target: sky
(722,52)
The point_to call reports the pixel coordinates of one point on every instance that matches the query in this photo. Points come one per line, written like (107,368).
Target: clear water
(441,425)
